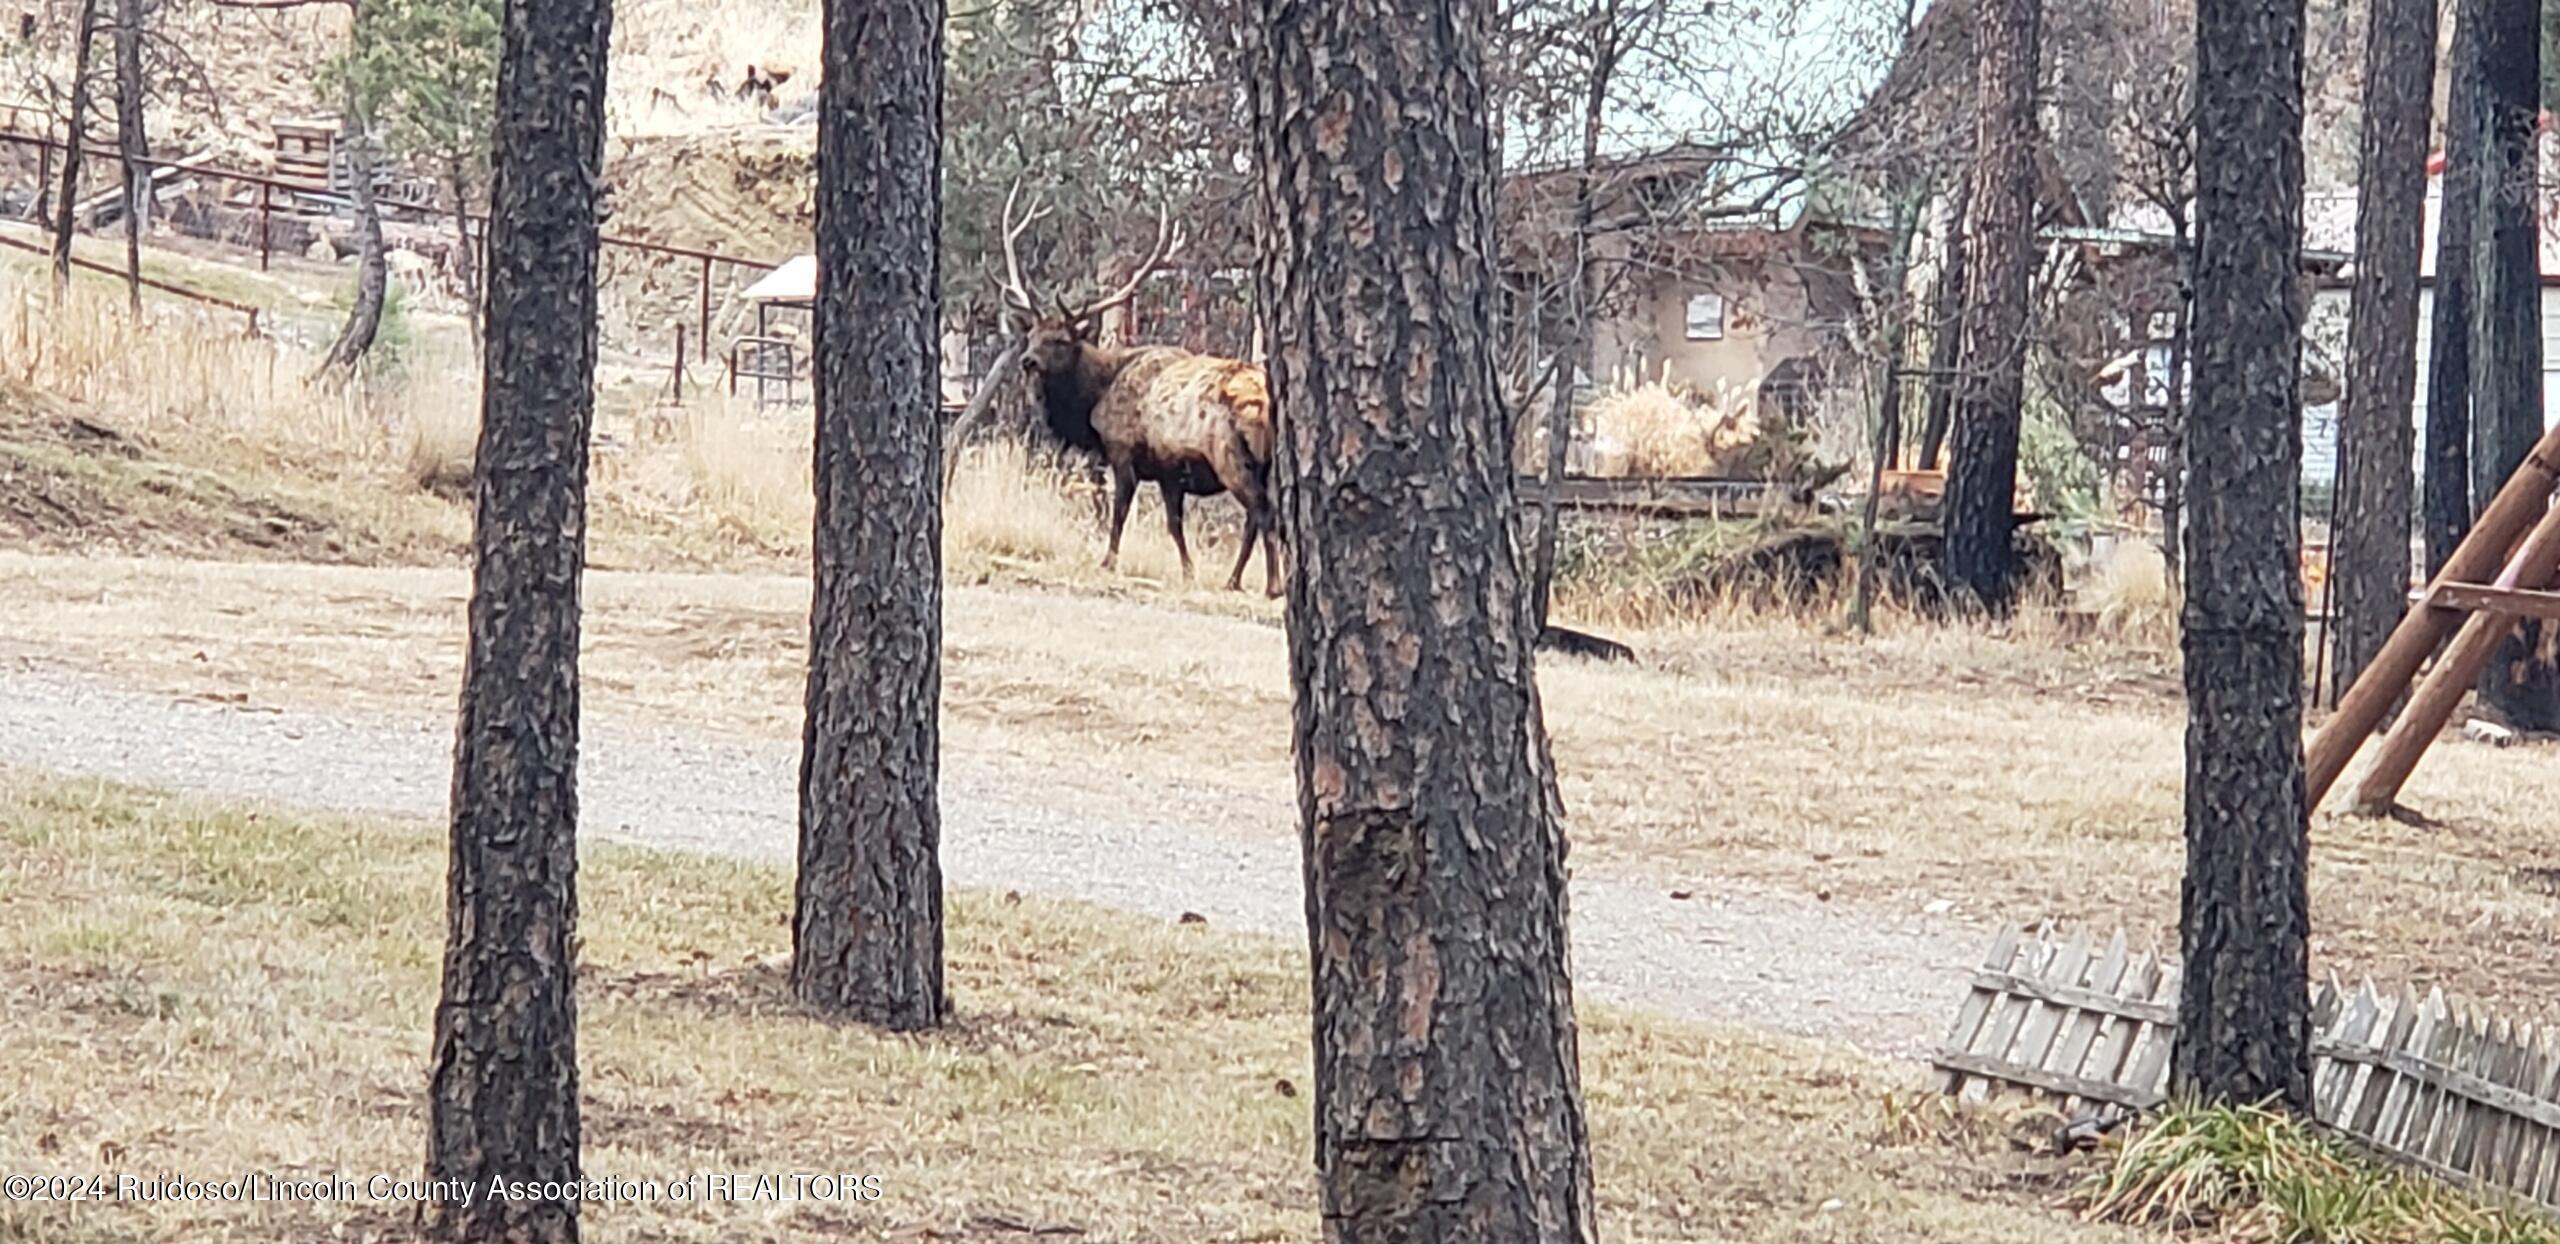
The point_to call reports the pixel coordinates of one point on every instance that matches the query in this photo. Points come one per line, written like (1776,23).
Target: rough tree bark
(133,145)
(1982,476)
(503,1092)
(42,214)
(1888,437)
(2173,427)
(2445,505)
(2376,435)
(1576,351)
(77,139)
(1946,333)
(2523,681)
(373,273)
(466,249)
(2244,922)
(1448,1100)
(867,922)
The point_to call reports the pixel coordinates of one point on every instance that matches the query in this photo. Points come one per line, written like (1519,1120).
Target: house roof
(795,281)
(2108,241)
(2329,220)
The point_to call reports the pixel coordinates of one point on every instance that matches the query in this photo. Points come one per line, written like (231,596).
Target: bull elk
(1194,425)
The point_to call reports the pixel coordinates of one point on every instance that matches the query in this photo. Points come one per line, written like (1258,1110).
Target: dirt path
(1775,962)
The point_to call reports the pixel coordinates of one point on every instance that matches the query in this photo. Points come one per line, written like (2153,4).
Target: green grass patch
(2256,1176)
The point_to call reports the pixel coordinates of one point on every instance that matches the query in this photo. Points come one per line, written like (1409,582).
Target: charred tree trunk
(69,194)
(133,146)
(1888,437)
(2173,488)
(2244,1006)
(466,250)
(2523,681)
(1946,335)
(867,925)
(2445,506)
(373,274)
(2376,435)
(43,213)
(1576,353)
(1448,1100)
(503,1092)
(1982,478)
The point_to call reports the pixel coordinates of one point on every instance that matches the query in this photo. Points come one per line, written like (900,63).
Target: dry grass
(674,46)
(201,991)
(715,483)
(2008,780)
(1653,429)
(2129,591)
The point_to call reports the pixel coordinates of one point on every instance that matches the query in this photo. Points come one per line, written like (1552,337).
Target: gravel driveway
(1777,962)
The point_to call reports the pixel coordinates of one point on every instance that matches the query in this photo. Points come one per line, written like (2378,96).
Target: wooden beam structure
(2522,503)
(2512,602)
(2458,670)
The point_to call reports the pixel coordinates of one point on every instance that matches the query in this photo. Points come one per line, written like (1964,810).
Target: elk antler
(1168,240)
(1017,292)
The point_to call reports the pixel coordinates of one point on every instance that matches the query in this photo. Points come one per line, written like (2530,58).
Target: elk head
(1054,343)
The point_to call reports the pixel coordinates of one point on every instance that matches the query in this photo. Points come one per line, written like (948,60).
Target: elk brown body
(1194,425)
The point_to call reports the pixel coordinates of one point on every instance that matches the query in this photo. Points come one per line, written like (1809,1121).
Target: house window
(1706,317)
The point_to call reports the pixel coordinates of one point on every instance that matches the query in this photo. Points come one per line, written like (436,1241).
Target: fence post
(706,306)
(679,383)
(266,224)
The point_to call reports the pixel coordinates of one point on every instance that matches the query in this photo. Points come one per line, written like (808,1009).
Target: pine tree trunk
(2523,680)
(132,144)
(1888,438)
(2173,488)
(1580,332)
(2376,433)
(69,195)
(1946,333)
(2243,1006)
(503,1092)
(43,214)
(2445,505)
(867,925)
(466,251)
(1982,475)
(1448,1101)
(373,273)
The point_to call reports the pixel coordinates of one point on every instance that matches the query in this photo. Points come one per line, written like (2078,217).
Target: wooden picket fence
(2436,1084)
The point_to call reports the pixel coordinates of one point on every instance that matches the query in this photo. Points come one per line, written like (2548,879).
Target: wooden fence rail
(2431,1083)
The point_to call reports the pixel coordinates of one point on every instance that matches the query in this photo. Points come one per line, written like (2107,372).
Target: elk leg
(1244,551)
(1258,517)
(1173,498)
(1124,489)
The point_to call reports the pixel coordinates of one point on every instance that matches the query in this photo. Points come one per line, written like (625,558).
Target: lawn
(198,990)
(1927,770)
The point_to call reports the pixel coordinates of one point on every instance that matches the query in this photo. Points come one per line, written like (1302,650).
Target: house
(2331,218)
(1754,309)
(1693,287)
(2329,236)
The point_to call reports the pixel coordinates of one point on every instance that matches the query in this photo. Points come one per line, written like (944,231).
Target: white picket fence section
(2423,1080)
